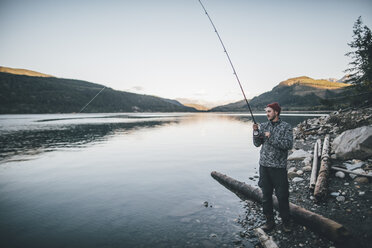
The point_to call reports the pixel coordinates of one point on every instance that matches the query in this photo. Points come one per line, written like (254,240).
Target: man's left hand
(267,134)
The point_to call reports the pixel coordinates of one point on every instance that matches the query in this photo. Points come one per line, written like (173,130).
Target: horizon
(169,49)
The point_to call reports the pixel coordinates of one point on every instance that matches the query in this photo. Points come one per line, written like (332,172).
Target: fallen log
(265,240)
(314,169)
(320,190)
(327,227)
(350,172)
(319,141)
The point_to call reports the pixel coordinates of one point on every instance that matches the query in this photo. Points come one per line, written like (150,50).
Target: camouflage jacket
(274,150)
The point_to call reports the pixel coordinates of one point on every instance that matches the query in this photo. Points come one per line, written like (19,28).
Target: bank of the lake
(349,196)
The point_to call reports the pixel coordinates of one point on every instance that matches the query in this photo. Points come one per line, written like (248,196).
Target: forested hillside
(33,94)
(300,93)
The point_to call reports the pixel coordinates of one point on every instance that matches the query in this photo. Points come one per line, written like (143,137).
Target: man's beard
(273,118)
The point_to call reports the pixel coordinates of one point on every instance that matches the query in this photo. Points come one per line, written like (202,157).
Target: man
(276,139)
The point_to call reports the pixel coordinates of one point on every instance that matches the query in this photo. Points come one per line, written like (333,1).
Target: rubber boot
(270,223)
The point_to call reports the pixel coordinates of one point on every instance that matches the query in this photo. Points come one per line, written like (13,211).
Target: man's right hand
(255,127)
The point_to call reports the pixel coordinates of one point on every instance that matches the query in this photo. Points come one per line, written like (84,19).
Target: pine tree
(361,66)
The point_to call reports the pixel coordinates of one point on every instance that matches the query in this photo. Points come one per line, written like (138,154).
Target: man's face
(271,114)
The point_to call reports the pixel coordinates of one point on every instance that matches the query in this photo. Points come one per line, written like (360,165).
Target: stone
(307,161)
(292,169)
(307,168)
(354,166)
(297,179)
(360,171)
(213,235)
(354,143)
(299,172)
(299,155)
(335,193)
(340,174)
(361,180)
(340,198)
(292,174)
(361,193)
(355,161)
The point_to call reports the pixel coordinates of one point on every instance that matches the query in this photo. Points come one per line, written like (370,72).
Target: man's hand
(255,127)
(267,134)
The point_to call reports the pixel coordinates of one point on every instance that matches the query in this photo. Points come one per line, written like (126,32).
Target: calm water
(123,180)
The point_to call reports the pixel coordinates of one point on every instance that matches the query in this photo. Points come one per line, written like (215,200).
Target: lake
(124,180)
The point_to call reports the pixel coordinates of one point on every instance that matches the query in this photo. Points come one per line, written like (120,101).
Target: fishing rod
(86,105)
(228,57)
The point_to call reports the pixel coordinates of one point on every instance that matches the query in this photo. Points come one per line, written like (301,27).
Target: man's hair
(275,106)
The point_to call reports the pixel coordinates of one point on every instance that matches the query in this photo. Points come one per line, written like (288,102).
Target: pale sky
(169,49)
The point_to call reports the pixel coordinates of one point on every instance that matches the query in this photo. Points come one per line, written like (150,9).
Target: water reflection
(55,132)
(32,142)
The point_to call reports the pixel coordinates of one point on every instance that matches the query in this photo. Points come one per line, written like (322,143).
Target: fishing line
(92,99)
(228,57)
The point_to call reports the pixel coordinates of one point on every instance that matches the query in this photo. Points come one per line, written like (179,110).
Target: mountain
(314,83)
(24,94)
(240,106)
(23,72)
(300,93)
(173,102)
(196,106)
(201,105)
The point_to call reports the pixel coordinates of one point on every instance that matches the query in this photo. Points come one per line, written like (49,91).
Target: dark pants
(270,179)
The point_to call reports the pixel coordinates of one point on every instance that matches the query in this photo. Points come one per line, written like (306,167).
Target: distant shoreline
(260,113)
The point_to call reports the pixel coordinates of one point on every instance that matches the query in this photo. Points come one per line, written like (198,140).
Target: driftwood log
(319,141)
(351,172)
(320,191)
(265,240)
(319,151)
(314,169)
(327,227)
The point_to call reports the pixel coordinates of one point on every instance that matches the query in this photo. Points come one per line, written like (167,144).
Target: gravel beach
(349,197)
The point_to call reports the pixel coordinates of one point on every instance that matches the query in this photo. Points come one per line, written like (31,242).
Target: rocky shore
(349,198)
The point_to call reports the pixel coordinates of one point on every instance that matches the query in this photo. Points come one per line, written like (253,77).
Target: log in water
(327,227)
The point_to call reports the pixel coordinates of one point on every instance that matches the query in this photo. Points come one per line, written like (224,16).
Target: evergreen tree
(360,71)
(361,66)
